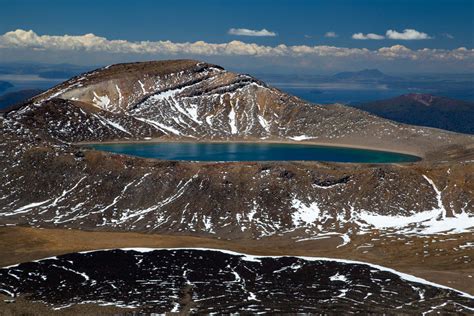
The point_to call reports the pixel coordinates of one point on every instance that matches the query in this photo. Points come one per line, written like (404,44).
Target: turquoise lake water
(252,152)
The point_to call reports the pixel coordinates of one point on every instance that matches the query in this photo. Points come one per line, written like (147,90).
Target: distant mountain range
(371,84)
(426,110)
(13,98)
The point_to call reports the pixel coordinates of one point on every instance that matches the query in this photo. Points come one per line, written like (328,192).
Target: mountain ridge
(425,110)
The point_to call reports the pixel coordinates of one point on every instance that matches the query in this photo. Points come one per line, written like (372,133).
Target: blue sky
(436,24)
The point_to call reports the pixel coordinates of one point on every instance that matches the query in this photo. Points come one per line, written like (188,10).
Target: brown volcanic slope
(47,182)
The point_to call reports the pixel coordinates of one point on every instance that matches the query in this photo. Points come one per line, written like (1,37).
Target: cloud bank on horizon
(30,41)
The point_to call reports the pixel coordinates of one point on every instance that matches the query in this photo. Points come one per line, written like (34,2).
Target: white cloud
(247,32)
(28,41)
(368,36)
(331,34)
(407,34)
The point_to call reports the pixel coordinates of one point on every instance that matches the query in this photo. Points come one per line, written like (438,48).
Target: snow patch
(101,101)
(119,94)
(142,86)
(338,277)
(305,214)
(232,121)
(301,137)
(425,223)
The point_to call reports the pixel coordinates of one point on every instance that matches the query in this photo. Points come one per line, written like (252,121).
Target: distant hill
(426,110)
(4,85)
(12,98)
(363,75)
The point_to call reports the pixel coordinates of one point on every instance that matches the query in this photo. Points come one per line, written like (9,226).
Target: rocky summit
(51,179)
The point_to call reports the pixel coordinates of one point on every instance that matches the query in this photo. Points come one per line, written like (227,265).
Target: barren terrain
(58,196)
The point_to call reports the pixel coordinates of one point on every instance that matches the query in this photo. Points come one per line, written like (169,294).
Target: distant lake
(29,81)
(338,93)
(252,152)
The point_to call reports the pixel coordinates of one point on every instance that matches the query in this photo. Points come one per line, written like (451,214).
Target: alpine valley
(59,198)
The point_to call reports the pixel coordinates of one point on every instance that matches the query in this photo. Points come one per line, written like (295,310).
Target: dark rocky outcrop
(210,281)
